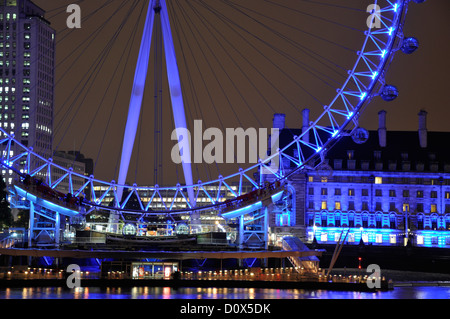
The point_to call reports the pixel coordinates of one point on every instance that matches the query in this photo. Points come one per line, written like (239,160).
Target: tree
(6,217)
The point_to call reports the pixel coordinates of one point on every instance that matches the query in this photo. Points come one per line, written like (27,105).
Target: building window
(351,220)
(365,206)
(337,205)
(337,191)
(311,191)
(433,194)
(379,238)
(392,222)
(392,193)
(351,192)
(420,222)
(406,193)
(419,207)
(350,154)
(378,221)
(392,239)
(323,191)
(323,205)
(310,179)
(324,220)
(324,179)
(419,240)
(419,194)
(378,206)
(378,180)
(406,207)
(365,221)
(365,192)
(447,208)
(447,195)
(351,205)
(433,208)
(378,193)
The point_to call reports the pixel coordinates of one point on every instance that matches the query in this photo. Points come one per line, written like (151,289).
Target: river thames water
(415,292)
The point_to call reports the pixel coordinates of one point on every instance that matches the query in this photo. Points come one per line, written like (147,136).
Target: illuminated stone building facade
(394,189)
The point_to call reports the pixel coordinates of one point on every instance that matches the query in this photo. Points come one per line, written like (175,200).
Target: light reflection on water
(425,292)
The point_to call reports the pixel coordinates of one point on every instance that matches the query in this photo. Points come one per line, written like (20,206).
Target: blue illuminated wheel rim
(364,82)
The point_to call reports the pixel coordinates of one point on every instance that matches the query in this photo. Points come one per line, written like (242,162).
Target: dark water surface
(415,292)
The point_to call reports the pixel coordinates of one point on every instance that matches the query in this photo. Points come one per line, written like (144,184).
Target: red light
(359,258)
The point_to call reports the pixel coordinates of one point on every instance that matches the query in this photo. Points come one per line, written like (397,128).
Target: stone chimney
(382,128)
(305,114)
(423,128)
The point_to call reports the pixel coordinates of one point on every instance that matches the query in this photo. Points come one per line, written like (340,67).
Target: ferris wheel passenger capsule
(409,45)
(389,93)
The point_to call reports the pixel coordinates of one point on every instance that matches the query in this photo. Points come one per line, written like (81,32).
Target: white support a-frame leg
(138,93)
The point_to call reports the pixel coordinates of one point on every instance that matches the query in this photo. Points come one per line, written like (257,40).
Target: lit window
(419,240)
(379,238)
(337,205)
(323,204)
(433,208)
(378,180)
(393,239)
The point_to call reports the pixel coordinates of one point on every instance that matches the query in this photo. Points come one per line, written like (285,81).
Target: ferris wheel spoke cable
(311,53)
(193,95)
(314,16)
(95,67)
(60,9)
(95,62)
(213,72)
(229,78)
(223,68)
(84,19)
(270,61)
(195,99)
(224,50)
(292,59)
(212,100)
(108,88)
(121,81)
(331,5)
(88,41)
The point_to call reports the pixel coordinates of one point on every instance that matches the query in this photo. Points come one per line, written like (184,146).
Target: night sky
(254,48)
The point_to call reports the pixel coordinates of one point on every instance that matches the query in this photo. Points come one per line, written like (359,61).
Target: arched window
(324,220)
(351,220)
(378,220)
(365,220)
(434,224)
(419,221)
(337,219)
(393,221)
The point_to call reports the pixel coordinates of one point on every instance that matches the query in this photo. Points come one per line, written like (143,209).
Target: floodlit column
(241,231)
(57,228)
(30,229)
